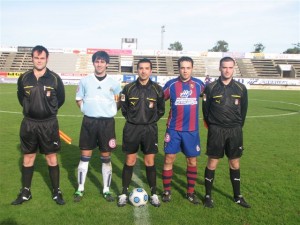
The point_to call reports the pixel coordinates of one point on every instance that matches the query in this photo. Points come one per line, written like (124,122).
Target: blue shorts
(187,142)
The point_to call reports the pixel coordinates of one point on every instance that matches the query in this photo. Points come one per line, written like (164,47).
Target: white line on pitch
(141,215)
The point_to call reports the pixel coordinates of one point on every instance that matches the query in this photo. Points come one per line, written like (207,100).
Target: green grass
(270,171)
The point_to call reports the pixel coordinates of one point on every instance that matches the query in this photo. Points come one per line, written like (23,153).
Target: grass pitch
(270,172)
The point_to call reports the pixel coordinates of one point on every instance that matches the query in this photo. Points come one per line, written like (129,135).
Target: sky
(197,24)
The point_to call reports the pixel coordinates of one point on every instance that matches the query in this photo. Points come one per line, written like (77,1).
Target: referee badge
(122,97)
(151,104)
(204,97)
(236,102)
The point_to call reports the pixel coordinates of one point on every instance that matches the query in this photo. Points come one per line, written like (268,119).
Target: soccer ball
(138,197)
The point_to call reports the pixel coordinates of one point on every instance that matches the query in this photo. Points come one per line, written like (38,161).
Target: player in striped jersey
(182,134)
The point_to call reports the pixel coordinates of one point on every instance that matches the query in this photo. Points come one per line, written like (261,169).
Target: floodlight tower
(162,37)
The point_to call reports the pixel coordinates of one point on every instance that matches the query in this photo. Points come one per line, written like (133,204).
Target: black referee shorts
(144,136)
(222,141)
(97,132)
(40,134)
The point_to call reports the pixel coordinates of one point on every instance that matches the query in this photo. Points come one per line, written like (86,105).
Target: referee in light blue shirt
(97,97)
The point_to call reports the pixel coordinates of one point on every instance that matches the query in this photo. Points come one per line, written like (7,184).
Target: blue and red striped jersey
(184,103)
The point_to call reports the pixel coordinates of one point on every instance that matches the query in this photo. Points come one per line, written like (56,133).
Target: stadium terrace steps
(162,65)
(62,63)
(265,68)
(246,68)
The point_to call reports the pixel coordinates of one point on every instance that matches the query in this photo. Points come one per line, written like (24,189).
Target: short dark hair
(39,49)
(144,60)
(185,58)
(227,59)
(100,55)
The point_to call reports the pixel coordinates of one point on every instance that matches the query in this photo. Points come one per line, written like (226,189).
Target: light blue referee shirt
(98,96)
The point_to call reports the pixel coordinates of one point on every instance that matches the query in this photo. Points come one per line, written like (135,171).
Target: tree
(259,47)
(177,46)
(221,46)
(295,50)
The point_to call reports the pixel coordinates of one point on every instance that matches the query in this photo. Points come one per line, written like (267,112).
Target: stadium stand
(246,68)
(265,68)
(3,59)
(114,65)
(64,63)
(296,66)
(212,66)
(175,66)
(294,63)
(70,63)
(84,64)
(199,67)
(15,61)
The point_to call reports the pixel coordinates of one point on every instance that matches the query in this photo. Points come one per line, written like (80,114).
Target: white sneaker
(154,200)
(122,200)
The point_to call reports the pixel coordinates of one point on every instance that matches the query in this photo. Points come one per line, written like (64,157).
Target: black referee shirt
(142,104)
(40,98)
(225,105)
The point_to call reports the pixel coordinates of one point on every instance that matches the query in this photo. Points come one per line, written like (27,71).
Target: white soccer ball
(138,197)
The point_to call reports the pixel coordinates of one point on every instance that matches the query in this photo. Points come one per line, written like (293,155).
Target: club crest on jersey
(167,138)
(112,143)
(186,93)
(122,97)
(192,86)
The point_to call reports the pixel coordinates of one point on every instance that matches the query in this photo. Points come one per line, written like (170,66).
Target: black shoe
(193,198)
(108,196)
(57,197)
(241,201)
(78,196)
(24,195)
(208,202)
(166,196)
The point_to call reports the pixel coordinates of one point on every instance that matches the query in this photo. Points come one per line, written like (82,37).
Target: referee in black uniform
(142,105)
(41,93)
(224,107)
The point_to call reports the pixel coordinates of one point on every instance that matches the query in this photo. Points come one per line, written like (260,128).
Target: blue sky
(197,24)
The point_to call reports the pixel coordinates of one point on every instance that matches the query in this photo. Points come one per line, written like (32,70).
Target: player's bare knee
(28,160)
(169,159)
(51,159)
(212,163)
(192,161)
(234,164)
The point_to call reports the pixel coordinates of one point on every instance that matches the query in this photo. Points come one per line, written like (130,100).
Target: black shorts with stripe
(42,135)
(140,136)
(97,132)
(222,141)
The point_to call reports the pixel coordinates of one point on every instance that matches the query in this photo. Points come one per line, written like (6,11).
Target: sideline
(164,118)
(141,215)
